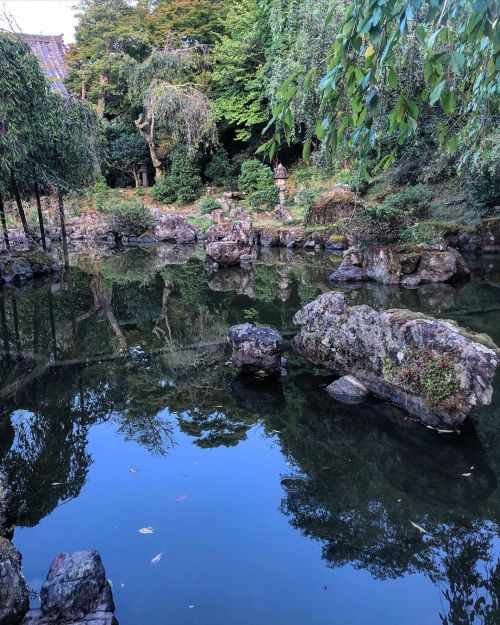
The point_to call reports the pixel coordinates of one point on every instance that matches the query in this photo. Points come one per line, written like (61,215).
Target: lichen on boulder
(408,265)
(429,367)
(256,350)
(226,243)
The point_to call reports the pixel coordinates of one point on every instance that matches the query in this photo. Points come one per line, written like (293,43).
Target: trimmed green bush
(129,217)
(257,180)
(412,201)
(208,204)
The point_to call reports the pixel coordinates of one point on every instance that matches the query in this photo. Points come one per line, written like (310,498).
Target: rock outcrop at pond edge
(14,596)
(229,243)
(21,266)
(433,369)
(76,591)
(256,350)
(175,229)
(408,265)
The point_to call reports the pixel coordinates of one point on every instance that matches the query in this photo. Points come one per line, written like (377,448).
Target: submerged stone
(348,390)
(256,350)
(431,368)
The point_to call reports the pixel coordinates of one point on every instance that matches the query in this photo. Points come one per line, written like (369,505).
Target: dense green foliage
(257,181)
(129,217)
(182,182)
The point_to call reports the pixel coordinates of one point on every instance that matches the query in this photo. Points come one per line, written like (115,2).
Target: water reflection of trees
(143,347)
(363,475)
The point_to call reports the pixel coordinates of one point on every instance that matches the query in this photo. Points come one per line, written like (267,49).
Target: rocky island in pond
(431,368)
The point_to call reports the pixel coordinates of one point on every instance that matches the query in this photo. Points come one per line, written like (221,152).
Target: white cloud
(43,17)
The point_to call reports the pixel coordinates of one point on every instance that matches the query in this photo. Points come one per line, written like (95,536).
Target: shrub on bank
(129,217)
(181,183)
(208,204)
(257,181)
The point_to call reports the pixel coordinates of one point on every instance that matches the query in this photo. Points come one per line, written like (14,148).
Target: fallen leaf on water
(276,431)
(446,431)
(134,470)
(147,530)
(57,483)
(466,474)
(419,527)
(399,500)
(190,606)
(181,498)
(157,558)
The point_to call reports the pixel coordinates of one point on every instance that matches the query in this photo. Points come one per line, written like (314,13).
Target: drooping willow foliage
(173,110)
(459,43)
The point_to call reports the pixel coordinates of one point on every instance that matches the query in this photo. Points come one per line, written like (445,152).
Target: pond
(259,502)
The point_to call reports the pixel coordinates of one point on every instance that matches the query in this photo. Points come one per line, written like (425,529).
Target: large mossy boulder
(408,265)
(20,266)
(431,368)
(338,203)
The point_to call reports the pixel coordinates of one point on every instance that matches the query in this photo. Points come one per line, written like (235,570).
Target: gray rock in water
(227,243)
(431,368)
(348,390)
(14,597)
(20,266)
(76,591)
(408,265)
(256,350)
(174,228)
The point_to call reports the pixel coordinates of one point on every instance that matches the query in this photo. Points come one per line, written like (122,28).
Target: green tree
(237,76)
(197,20)
(172,110)
(126,151)
(107,34)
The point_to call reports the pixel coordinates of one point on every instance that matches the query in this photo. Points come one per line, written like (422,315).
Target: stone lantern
(281,176)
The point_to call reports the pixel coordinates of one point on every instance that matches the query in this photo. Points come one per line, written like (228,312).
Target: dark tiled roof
(50,50)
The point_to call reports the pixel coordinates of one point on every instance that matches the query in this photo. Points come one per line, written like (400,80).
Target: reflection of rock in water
(258,396)
(174,254)
(240,281)
(365,474)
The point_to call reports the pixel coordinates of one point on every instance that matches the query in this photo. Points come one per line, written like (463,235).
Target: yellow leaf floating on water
(157,558)
(134,470)
(419,527)
(147,530)
(370,51)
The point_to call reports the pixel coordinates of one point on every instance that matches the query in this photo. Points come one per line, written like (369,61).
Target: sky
(43,17)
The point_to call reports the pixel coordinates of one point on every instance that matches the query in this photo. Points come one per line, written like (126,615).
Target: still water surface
(270,503)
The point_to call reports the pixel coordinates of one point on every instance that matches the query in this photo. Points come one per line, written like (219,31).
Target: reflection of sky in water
(270,503)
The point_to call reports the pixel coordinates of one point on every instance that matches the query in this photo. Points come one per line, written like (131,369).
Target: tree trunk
(60,203)
(20,208)
(15,317)
(4,224)
(40,216)
(52,324)
(136,178)
(101,101)
(144,128)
